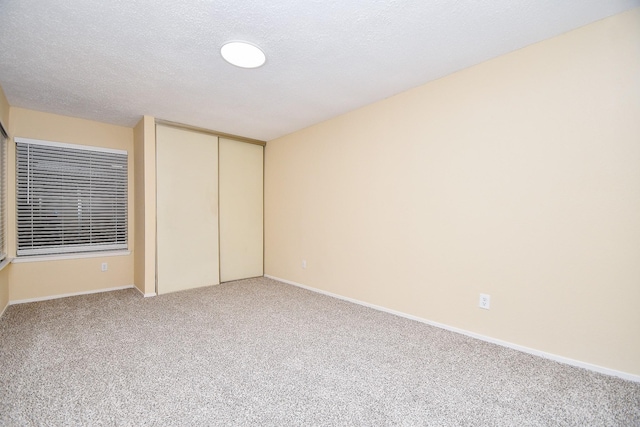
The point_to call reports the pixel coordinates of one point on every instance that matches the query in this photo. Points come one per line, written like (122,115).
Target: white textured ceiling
(115,60)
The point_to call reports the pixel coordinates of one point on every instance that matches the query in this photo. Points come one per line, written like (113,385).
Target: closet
(241,209)
(209,192)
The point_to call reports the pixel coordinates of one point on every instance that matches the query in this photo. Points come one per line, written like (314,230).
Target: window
(70,198)
(3,199)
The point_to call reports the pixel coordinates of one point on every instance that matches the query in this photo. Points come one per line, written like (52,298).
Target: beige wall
(518,178)
(144,141)
(4,273)
(4,109)
(150,205)
(139,210)
(4,288)
(49,278)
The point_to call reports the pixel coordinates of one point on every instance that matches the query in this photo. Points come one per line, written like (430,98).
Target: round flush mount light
(243,54)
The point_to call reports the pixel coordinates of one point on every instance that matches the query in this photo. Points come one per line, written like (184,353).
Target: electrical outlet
(304,263)
(104,266)
(485,301)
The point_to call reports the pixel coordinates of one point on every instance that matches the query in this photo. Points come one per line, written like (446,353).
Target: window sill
(39,258)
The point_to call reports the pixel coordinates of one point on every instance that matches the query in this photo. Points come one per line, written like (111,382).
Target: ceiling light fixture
(243,54)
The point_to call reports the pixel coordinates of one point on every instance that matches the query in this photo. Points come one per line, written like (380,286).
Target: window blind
(70,198)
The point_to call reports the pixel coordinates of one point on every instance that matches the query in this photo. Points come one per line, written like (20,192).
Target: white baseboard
(3,310)
(147,295)
(50,297)
(554,357)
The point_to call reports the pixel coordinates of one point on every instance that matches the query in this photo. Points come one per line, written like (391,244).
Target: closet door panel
(187,209)
(241,210)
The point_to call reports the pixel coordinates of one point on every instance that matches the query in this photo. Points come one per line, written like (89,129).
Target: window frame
(4,139)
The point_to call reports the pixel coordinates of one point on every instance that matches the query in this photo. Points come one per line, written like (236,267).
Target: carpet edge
(72,294)
(557,358)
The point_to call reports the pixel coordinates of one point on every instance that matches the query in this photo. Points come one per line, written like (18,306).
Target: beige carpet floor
(259,352)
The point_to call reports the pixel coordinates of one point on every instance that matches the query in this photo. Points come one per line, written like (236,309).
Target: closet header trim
(211,132)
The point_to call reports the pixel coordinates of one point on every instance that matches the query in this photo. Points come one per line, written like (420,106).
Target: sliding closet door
(241,208)
(187,209)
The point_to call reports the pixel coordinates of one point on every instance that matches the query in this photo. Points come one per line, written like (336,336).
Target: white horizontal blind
(3,192)
(70,198)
